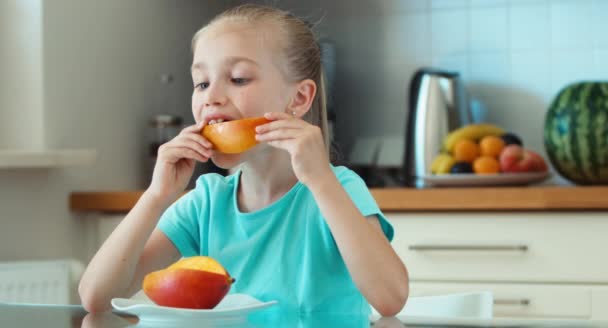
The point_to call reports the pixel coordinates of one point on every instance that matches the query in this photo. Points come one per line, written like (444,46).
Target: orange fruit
(466,150)
(486,165)
(233,137)
(491,146)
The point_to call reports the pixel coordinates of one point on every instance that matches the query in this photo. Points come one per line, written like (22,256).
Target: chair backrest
(47,282)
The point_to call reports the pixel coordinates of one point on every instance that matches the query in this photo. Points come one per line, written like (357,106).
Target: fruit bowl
(485,180)
(485,155)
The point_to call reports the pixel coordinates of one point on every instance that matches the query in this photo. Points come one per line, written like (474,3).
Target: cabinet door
(522,300)
(600,303)
(530,247)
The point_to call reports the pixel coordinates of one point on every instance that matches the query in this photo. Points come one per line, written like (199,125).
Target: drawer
(530,247)
(520,300)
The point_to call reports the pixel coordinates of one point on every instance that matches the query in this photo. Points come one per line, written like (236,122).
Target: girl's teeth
(219,120)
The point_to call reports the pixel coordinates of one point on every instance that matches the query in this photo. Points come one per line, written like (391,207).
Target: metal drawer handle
(430,247)
(506,301)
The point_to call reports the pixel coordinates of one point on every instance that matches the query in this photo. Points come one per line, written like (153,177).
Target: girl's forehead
(238,39)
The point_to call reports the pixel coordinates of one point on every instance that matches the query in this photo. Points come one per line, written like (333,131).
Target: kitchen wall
(514,55)
(21,93)
(93,83)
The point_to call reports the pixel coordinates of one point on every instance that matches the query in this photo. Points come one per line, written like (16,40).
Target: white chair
(48,281)
(478,305)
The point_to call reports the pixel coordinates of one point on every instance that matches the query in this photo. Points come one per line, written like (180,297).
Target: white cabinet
(538,264)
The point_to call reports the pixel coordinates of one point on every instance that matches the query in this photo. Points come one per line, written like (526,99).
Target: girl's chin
(229,161)
(226,161)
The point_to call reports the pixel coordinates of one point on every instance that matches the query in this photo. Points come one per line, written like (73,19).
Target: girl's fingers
(199,139)
(192,144)
(281,124)
(277,116)
(184,142)
(193,128)
(174,154)
(281,134)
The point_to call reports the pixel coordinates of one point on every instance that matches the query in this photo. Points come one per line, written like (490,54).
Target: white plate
(472,179)
(233,308)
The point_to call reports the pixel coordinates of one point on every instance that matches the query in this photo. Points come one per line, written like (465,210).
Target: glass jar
(162,129)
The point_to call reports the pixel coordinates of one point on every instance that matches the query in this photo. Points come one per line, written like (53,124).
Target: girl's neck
(264,180)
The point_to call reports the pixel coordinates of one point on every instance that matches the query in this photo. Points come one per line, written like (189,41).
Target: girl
(287,225)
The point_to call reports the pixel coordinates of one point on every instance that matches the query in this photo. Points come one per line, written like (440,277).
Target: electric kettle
(438,104)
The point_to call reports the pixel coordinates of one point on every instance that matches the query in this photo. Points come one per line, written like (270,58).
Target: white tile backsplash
(530,72)
(570,66)
(513,55)
(600,64)
(491,68)
(449,32)
(571,24)
(458,63)
(516,55)
(529,27)
(487,3)
(489,28)
(600,23)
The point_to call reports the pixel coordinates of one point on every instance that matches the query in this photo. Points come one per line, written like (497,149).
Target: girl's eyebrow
(229,61)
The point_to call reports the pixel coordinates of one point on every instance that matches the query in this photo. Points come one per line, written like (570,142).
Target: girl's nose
(215,95)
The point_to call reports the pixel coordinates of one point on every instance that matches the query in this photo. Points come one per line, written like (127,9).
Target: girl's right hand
(176,160)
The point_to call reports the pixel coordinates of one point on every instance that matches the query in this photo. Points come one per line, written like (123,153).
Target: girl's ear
(302,100)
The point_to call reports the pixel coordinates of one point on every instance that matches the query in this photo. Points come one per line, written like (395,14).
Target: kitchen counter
(541,198)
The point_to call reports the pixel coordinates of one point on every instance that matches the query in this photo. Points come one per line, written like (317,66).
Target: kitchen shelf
(545,198)
(12,159)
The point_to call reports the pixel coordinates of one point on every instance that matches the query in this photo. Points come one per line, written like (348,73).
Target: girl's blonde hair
(301,49)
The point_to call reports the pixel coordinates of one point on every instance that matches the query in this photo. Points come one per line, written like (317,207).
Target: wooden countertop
(545,198)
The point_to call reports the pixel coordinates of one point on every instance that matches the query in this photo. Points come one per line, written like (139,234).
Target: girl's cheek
(196,105)
(251,102)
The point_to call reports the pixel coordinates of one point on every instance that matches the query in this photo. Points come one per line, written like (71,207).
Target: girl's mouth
(219,120)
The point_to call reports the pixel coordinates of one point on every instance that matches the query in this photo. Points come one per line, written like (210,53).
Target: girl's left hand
(302,140)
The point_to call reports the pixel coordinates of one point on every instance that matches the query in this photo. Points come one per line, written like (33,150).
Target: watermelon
(576,133)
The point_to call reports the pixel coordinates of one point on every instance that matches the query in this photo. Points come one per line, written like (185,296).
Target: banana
(442,164)
(471,131)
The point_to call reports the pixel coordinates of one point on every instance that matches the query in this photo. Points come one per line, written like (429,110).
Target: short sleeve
(363,199)
(180,223)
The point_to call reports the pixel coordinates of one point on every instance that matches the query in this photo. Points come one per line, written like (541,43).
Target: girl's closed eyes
(240,81)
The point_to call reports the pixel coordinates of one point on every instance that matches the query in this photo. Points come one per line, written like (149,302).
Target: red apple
(515,158)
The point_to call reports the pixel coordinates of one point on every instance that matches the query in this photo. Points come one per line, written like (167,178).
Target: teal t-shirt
(284,252)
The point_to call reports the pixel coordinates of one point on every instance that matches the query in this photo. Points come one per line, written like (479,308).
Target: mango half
(233,137)
(197,282)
